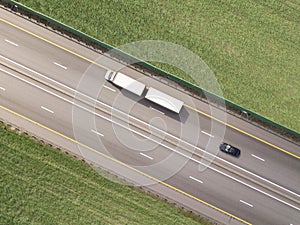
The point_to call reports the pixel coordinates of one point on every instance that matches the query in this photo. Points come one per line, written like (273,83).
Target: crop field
(251,45)
(40,185)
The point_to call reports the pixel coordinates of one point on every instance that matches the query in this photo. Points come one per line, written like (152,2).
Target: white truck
(125,82)
(164,100)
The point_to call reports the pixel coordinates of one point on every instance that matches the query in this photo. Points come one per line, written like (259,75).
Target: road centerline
(246,203)
(255,156)
(208,134)
(101,66)
(195,179)
(61,66)
(12,43)
(46,109)
(102,135)
(111,89)
(69,88)
(157,110)
(126,165)
(147,156)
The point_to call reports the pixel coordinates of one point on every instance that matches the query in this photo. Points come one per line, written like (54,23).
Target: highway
(55,82)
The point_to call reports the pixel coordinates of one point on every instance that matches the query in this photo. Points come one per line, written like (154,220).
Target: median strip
(168,140)
(188,106)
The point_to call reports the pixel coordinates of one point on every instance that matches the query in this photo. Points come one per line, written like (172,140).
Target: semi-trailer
(138,88)
(125,82)
(164,100)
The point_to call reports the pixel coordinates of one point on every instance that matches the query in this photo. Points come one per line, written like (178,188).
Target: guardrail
(252,116)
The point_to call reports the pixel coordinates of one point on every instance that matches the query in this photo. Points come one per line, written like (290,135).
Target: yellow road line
(244,132)
(123,164)
(197,110)
(54,44)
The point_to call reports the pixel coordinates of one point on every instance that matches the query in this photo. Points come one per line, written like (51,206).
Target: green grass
(251,45)
(40,185)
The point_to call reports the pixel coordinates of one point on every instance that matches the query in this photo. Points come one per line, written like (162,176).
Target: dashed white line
(2,88)
(12,43)
(109,88)
(207,133)
(141,121)
(255,156)
(246,203)
(48,110)
(60,65)
(147,156)
(145,136)
(195,179)
(157,110)
(102,135)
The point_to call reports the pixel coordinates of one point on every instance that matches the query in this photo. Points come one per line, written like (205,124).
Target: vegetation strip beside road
(252,46)
(41,185)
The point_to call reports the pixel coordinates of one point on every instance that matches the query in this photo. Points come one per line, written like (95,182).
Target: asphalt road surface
(55,82)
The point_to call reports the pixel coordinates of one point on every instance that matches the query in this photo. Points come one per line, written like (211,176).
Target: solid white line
(60,65)
(207,133)
(258,157)
(109,88)
(195,179)
(2,88)
(102,135)
(156,110)
(145,136)
(246,203)
(143,122)
(147,156)
(50,111)
(12,43)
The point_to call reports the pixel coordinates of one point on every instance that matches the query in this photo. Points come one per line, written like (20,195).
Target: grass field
(40,185)
(252,46)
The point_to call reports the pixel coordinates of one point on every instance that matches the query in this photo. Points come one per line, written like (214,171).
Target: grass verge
(40,185)
(252,46)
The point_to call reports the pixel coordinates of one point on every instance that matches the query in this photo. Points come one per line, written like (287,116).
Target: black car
(224,147)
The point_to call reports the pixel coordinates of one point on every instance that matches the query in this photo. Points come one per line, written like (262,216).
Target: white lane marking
(195,179)
(12,43)
(246,203)
(143,122)
(207,133)
(102,135)
(255,156)
(2,88)
(48,110)
(156,110)
(145,136)
(147,156)
(60,65)
(109,88)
